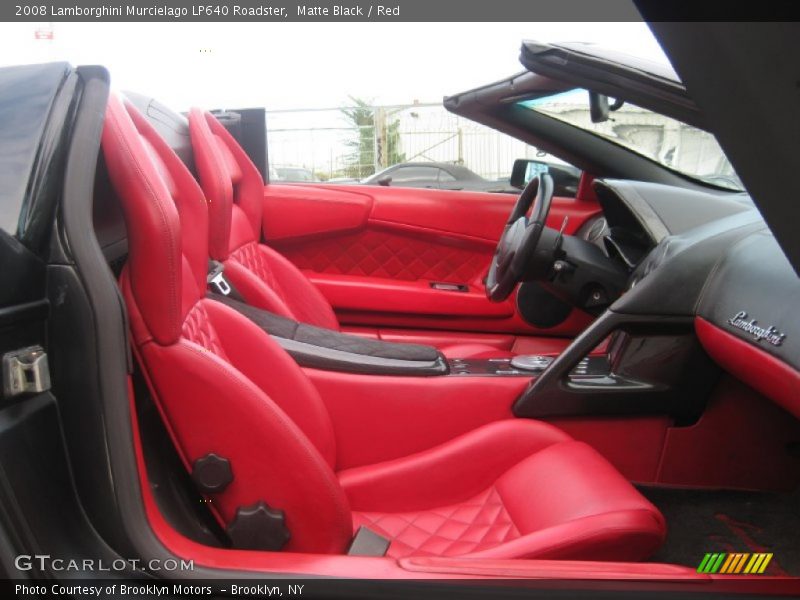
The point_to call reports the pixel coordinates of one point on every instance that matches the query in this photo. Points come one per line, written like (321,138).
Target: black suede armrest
(331,350)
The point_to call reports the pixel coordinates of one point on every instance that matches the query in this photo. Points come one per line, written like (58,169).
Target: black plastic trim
(330,350)
(330,359)
(678,387)
(494,105)
(24,313)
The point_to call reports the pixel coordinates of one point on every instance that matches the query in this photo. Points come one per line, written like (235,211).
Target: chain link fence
(354,142)
(332,145)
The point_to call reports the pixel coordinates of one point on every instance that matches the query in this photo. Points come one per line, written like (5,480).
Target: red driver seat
(235,191)
(228,392)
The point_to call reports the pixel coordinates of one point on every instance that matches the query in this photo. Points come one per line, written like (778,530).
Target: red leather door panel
(375,251)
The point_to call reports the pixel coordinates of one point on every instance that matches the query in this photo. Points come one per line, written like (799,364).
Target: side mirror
(524,170)
(386,180)
(565,177)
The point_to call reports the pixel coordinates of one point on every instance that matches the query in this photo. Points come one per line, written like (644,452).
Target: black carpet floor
(729,521)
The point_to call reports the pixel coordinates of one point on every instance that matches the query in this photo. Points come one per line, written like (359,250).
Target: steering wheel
(517,245)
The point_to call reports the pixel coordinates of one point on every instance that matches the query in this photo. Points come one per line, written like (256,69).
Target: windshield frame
(526,103)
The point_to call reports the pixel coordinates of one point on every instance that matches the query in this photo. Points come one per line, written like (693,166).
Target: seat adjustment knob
(212,473)
(258,527)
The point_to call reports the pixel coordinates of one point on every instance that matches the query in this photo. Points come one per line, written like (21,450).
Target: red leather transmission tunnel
(258,440)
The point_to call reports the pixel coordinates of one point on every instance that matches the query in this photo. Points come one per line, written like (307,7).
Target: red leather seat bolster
(210,407)
(261,360)
(450,472)
(565,482)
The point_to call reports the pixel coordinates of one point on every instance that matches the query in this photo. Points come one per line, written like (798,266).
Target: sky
(283,66)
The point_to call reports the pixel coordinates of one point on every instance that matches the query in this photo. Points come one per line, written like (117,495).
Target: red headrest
(230,181)
(166,217)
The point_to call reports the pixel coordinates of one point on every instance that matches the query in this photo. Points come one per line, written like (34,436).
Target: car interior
(406,383)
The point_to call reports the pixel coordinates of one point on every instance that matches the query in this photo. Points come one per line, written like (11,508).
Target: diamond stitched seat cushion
(477,524)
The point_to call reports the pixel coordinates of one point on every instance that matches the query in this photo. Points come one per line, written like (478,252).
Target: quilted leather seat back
(232,184)
(168,249)
(222,385)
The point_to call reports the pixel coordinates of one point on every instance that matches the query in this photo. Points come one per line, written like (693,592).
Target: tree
(362,161)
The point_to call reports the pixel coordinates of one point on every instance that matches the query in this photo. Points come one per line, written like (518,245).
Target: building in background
(327,142)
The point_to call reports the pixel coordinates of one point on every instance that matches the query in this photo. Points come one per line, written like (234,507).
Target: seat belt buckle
(216,279)
(368,543)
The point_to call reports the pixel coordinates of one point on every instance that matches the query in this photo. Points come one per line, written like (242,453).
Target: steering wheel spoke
(521,235)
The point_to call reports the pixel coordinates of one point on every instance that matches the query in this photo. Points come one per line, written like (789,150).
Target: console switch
(531,362)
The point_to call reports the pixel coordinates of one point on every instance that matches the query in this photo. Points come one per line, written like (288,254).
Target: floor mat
(729,521)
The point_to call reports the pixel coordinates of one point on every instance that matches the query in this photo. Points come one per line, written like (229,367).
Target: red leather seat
(235,191)
(511,489)
(514,488)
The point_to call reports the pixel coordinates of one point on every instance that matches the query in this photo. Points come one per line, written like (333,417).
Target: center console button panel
(592,366)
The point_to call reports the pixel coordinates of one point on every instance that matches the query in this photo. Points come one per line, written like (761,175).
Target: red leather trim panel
(586,191)
(551,569)
(632,444)
(576,322)
(758,369)
(501,341)
(448,340)
(476,214)
(740,442)
(467,345)
(298,212)
(381,418)
(350,293)
(391,253)
(374,251)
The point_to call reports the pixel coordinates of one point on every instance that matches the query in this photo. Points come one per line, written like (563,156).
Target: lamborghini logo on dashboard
(751,326)
(742,563)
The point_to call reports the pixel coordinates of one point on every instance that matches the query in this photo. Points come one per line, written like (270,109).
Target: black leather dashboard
(726,269)
(754,294)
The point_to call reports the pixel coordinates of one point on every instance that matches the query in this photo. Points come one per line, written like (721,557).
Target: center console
(528,365)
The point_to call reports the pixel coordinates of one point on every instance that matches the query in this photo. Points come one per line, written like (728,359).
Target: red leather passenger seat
(235,191)
(515,488)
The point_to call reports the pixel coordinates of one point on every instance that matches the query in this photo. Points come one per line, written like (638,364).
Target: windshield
(673,144)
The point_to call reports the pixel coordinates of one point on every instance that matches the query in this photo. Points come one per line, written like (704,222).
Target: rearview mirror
(386,180)
(599,107)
